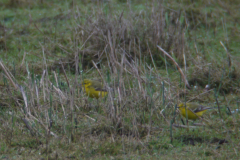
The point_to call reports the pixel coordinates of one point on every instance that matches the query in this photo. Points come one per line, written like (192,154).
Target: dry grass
(44,111)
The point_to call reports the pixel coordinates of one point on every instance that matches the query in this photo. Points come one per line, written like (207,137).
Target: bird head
(86,82)
(180,105)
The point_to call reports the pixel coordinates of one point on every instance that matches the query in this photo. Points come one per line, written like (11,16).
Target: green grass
(49,47)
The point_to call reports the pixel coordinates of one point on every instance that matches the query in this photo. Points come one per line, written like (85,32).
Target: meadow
(150,55)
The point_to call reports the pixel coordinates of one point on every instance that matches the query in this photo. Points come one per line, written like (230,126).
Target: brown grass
(53,116)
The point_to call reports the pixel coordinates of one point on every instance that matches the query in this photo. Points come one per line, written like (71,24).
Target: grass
(48,47)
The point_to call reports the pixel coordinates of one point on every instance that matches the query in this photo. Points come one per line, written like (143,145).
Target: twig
(8,76)
(65,75)
(46,128)
(183,126)
(24,55)
(25,99)
(98,70)
(228,54)
(215,94)
(164,116)
(90,118)
(180,70)
(199,95)
(28,127)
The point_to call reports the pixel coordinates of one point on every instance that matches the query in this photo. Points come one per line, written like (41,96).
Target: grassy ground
(48,47)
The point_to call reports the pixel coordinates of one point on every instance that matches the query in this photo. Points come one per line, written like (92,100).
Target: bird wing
(101,89)
(200,108)
(98,86)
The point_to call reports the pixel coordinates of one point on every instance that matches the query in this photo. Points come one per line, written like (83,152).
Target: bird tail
(204,109)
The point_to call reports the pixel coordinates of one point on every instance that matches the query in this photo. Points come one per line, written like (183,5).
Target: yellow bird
(94,89)
(194,111)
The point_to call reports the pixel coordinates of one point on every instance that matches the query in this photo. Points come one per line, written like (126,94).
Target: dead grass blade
(9,75)
(180,70)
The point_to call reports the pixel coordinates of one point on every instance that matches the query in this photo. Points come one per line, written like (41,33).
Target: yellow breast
(91,92)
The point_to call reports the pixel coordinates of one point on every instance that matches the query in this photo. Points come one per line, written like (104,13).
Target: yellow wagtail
(94,89)
(194,111)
